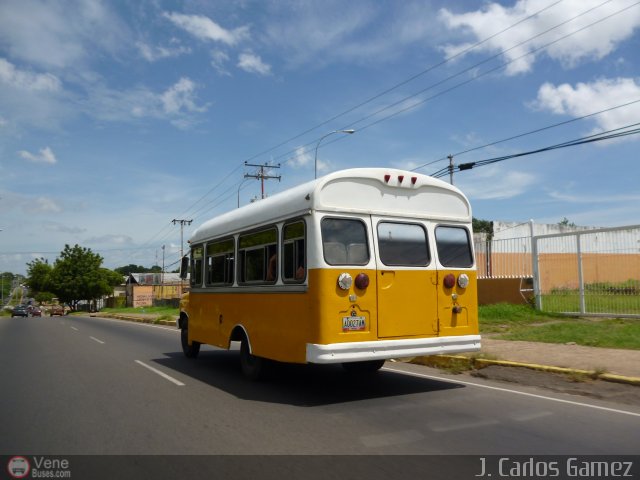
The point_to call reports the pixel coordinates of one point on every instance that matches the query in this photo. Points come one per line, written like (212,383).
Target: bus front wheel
(252,366)
(368,366)
(190,351)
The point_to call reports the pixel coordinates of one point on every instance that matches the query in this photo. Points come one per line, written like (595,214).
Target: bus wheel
(252,366)
(190,351)
(369,366)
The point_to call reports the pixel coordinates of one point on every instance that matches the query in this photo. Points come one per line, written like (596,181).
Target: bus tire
(366,367)
(190,351)
(252,365)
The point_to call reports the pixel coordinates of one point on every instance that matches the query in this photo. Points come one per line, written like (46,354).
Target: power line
(476,77)
(520,135)
(605,135)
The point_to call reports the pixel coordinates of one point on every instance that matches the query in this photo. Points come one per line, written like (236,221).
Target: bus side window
(197,254)
(258,257)
(293,252)
(220,262)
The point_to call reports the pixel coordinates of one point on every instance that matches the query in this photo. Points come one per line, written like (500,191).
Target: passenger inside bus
(271,268)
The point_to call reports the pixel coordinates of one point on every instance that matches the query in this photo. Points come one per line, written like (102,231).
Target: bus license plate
(353,323)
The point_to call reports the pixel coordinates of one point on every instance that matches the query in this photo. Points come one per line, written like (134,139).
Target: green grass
(501,317)
(610,333)
(522,322)
(160,311)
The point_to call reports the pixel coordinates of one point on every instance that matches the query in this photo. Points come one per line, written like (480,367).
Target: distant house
(148,289)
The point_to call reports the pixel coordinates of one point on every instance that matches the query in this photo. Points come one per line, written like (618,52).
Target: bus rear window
(344,241)
(403,244)
(454,247)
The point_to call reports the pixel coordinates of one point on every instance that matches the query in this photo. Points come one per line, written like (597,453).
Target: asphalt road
(79,386)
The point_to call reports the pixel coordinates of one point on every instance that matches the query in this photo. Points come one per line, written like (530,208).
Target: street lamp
(315,161)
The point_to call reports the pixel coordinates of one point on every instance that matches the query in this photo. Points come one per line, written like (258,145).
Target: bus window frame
(225,255)
(269,248)
(282,256)
(367,239)
(469,244)
(427,240)
(194,260)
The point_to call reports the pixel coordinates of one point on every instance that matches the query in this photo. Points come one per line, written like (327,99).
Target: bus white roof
(379,191)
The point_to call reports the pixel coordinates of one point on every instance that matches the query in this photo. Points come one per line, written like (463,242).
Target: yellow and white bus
(356,267)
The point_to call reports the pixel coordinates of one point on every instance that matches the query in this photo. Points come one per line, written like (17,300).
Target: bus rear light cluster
(449,280)
(387,178)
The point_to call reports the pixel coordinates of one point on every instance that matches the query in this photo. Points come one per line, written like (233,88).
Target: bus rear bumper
(386,349)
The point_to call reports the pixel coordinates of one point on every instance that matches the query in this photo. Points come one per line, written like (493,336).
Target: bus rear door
(407,279)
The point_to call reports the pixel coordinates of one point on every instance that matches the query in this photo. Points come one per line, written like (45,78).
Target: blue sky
(118,117)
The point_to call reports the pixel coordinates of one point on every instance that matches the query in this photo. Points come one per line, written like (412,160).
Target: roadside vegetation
(161,313)
(522,322)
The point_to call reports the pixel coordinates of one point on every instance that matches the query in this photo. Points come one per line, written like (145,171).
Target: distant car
(34,311)
(19,311)
(56,310)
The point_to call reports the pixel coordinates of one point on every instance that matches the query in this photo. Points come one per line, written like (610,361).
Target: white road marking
(74,328)
(96,340)
(141,324)
(162,374)
(500,389)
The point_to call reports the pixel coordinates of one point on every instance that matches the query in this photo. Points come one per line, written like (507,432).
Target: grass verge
(160,311)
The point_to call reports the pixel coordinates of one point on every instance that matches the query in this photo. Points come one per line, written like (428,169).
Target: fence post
(535,270)
(580,274)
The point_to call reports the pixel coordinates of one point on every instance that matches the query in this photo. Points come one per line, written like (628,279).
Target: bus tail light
(449,281)
(463,280)
(362,281)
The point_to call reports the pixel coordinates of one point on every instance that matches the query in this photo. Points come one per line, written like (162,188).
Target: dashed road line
(96,340)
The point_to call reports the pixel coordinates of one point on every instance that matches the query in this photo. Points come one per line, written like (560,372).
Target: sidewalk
(609,360)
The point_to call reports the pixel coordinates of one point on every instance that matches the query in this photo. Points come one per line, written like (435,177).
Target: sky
(118,117)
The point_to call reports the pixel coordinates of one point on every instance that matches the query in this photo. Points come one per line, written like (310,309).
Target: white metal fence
(585,272)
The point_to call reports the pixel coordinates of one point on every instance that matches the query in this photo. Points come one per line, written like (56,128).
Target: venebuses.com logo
(18,467)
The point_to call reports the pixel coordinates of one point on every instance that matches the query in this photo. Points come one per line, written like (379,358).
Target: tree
(484,226)
(77,275)
(132,268)
(39,276)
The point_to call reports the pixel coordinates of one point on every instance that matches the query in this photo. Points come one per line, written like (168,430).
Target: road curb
(472,363)
(133,318)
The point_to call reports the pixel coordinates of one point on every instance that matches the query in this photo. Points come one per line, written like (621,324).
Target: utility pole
(182,223)
(450,157)
(262,175)
(162,275)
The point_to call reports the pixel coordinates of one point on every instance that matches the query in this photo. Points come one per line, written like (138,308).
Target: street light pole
(315,160)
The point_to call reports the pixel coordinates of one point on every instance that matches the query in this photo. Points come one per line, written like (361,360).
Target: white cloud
(42,205)
(45,155)
(592,43)
(24,80)
(181,97)
(206,29)
(110,239)
(218,60)
(301,158)
(321,33)
(59,34)
(494,183)
(154,53)
(252,63)
(586,98)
